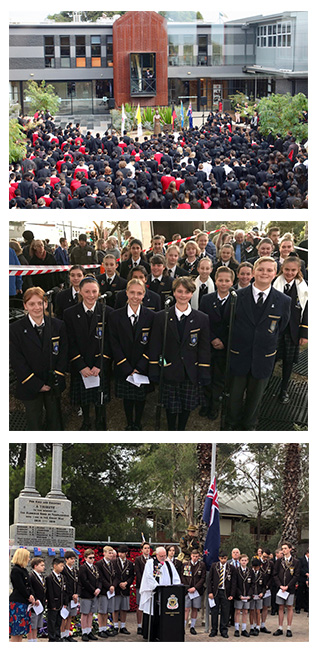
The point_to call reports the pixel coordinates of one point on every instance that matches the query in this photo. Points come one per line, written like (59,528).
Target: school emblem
(172,603)
(99,331)
(55,346)
(193,338)
(272,326)
(144,336)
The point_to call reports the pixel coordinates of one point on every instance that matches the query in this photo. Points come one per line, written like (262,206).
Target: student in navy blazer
(69,297)
(151,300)
(110,281)
(136,258)
(130,330)
(262,314)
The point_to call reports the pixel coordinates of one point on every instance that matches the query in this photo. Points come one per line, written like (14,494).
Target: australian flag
(211,518)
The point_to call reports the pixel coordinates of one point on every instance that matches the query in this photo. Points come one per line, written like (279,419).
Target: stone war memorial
(42,524)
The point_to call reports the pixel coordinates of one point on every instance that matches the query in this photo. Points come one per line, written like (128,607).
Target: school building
(142,58)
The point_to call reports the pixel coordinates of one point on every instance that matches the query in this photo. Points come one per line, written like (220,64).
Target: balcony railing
(142,86)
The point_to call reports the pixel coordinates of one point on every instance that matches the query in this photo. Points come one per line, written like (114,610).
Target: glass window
(109,52)
(96,51)
(80,51)
(143,73)
(288,40)
(65,61)
(49,61)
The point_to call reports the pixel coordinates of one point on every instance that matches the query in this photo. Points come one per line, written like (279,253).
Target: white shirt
(132,314)
(33,323)
(111,278)
(89,308)
(224,299)
(135,263)
(256,292)
(156,278)
(74,293)
(172,271)
(186,313)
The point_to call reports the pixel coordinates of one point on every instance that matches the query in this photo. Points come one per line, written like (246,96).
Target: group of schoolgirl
(194,357)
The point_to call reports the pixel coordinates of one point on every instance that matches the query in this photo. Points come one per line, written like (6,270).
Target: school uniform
(127,265)
(190,267)
(218,311)
(202,289)
(130,350)
(107,579)
(194,576)
(151,300)
(124,571)
(230,265)
(187,355)
(255,335)
(89,581)
(38,589)
(56,599)
(30,356)
(258,586)
(114,284)
(286,572)
(162,287)
(302,600)
(267,569)
(71,577)
(243,588)
(288,348)
(176,272)
(84,335)
(222,584)
(139,565)
(64,299)
(179,566)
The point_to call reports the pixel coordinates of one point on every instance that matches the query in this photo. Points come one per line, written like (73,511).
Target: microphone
(106,295)
(233,294)
(168,302)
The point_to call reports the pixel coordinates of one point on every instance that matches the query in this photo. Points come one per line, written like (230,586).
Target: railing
(142,85)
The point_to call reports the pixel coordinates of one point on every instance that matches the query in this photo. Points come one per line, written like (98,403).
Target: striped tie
(220,585)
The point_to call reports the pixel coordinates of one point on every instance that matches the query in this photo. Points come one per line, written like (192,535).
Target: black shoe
(284,398)
(263,629)
(70,638)
(289,634)
(273,612)
(129,428)
(236,634)
(256,632)
(124,631)
(297,611)
(103,634)
(115,631)
(278,632)
(139,630)
(85,637)
(245,633)
(224,635)
(212,634)
(203,411)
(111,632)
(251,631)
(91,636)
(193,631)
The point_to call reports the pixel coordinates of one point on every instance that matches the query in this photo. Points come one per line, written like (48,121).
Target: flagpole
(213,472)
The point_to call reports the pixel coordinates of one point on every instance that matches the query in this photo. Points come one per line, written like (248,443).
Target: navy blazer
(218,320)
(84,342)
(63,300)
(254,345)
(127,265)
(151,300)
(189,358)
(163,289)
(130,349)
(116,286)
(30,357)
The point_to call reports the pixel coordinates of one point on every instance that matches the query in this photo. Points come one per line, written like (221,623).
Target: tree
(283,114)
(86,16)
(42,97)
(297,228)
(17,142)
(182,16)
(291,493)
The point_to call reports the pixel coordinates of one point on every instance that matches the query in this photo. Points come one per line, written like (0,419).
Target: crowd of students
(165,316)
(234,587)
(218,166)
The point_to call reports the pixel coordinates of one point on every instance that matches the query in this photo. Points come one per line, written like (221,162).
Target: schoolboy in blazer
(56,599)
(110,281)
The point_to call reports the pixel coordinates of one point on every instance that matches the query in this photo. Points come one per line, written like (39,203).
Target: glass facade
(49,61)
(143,73)
(79,97)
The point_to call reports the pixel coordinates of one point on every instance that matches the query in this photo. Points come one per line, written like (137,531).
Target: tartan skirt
(79,395)
(288,351)
(19,618)
(128,391)
(183,396)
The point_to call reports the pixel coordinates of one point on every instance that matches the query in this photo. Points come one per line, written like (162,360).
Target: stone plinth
(42,522)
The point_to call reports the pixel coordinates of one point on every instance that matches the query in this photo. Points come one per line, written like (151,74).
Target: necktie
(109,281)
(39,330)
(134,320)
(220,585)
(170,272)
(183,316)
(260,299)
(156,282)
(286,288)
(135,264)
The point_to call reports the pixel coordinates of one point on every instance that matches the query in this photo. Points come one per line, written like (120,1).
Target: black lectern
(170,600)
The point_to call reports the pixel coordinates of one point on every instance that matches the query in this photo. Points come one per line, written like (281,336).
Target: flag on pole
(212,519)
(182,116)
(139,123)
(173,116)
(190,116)
(123,119)
(142,536)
